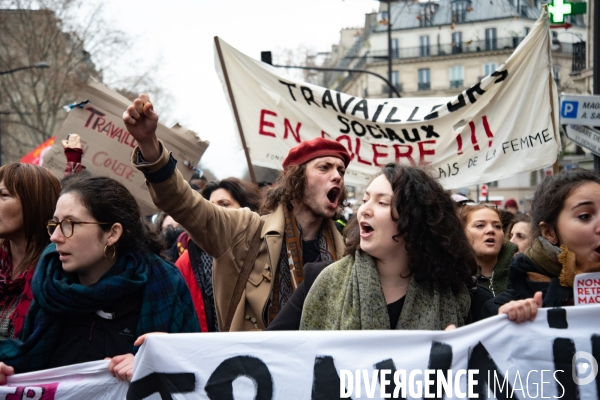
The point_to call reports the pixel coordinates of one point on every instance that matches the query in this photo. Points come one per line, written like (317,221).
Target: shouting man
(298,229)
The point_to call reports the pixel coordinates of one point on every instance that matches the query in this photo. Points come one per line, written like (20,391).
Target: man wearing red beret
(297,229)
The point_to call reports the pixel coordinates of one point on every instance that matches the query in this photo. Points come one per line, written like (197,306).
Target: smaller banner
(586,288)
(107,146)
(36,156)
(74,382)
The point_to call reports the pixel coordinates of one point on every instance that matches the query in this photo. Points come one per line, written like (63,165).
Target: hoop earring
(114,254)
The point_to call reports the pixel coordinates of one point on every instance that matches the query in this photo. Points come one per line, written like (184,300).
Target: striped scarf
(290,271)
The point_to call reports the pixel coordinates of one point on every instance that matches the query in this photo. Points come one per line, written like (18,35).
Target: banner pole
(555,166)
(235,111)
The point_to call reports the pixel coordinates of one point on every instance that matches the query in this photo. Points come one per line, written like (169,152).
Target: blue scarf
(166,303)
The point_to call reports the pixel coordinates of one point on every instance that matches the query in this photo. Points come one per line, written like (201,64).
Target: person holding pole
(258,260)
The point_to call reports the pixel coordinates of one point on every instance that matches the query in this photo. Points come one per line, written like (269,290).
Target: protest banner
(107,146)
(503,125)
(520,361)
(554,356)
(74,382)
(36,156)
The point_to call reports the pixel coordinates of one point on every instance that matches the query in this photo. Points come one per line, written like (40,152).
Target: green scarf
(166,303)
(347,295)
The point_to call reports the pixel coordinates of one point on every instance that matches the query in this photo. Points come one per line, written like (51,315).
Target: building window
(456,42)
(556,73)
(424,79)
(459,11)
(383,18)
(527,31)
(424,45)
(489,68)
(490,39)
(456,76)
(395,48)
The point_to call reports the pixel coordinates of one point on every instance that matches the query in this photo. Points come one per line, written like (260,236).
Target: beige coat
(226,234)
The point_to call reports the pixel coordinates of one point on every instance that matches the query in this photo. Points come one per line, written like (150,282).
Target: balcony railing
(455,84)
(424,85)
(475,46)
(386,88)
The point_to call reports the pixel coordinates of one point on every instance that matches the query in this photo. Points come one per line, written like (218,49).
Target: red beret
(316,148)
(510,203)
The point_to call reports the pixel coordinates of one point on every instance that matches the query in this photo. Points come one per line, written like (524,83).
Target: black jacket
(289,317)
(521,286)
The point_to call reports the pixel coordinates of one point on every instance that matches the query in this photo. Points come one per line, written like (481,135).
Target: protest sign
(36,156)
(586,288)
(503,125)
(531,360)
(107,145)
(74,382)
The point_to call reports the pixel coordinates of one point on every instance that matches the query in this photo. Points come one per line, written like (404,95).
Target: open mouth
(491,241)
(333,195)
(366,228)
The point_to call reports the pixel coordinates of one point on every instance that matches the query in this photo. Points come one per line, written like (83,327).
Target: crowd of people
(84,276)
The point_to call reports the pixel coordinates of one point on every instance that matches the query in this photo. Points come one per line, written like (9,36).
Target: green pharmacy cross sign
(559,8)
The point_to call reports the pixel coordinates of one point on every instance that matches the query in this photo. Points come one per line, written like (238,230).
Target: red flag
(36,156)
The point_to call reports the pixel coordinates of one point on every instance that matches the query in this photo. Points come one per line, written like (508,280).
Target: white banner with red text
(503,125)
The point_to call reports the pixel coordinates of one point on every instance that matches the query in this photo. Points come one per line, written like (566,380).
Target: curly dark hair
(109,201)
(290,186)
(437,246)
(550,196)
(246,194)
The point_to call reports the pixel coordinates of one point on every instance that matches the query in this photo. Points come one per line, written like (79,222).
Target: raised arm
(213,228)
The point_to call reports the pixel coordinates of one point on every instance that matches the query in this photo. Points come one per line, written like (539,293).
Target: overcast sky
(181,32)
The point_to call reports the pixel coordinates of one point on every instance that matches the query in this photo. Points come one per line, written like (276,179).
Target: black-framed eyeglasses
(67,226)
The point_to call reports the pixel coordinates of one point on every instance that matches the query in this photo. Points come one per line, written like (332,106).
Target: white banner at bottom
(552,357)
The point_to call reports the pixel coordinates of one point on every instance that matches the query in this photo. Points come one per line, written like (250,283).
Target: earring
(114,254)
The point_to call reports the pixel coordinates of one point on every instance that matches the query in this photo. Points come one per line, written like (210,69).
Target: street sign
(580,110)
(484,190)
(584,136)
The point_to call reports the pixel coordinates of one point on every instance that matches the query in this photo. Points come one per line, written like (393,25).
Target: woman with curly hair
(408,265)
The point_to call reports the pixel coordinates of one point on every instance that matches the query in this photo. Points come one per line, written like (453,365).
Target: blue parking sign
(569,109)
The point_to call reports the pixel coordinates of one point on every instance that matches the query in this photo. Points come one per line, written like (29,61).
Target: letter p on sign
(569,109)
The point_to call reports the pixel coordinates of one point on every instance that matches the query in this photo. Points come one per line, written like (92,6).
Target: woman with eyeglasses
(28,195)
(408,265)
(99,285)
(565,223)
(482,224)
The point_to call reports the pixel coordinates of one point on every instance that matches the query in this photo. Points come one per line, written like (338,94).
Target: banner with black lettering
(503,125)
(552,357)
(74,382)
(107,146)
